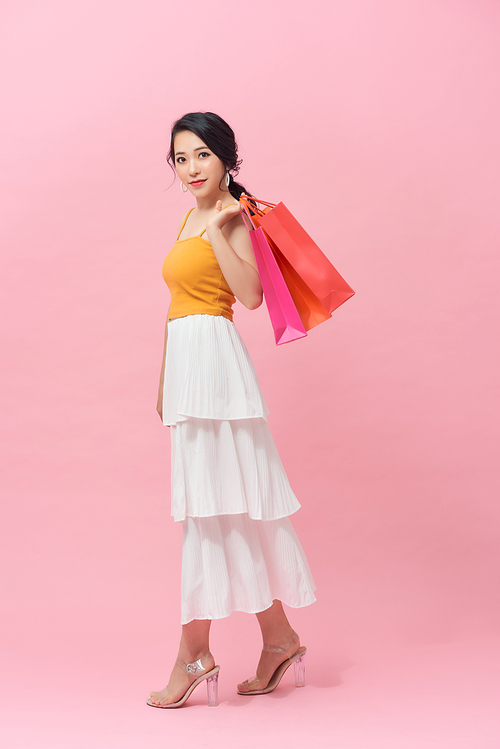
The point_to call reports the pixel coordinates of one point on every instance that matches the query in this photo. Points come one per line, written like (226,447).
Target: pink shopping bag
(285,319)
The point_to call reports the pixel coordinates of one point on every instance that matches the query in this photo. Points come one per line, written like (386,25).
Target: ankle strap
(274,649)
(194,668)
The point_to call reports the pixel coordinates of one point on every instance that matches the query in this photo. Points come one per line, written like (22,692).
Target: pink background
(377,123)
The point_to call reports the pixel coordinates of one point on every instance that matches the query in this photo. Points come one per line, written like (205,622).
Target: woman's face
(197,166)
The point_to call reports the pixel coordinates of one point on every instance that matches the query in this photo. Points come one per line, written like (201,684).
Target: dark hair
(218,137)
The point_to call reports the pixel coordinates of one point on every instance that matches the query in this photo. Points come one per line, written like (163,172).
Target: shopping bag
(310,309)
(285,319)
(302,253)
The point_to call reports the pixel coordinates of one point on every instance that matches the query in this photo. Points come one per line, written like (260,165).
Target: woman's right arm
(159,405)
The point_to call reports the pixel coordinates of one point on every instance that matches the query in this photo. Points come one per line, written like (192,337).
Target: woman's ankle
(283,642)
(191,655)
(194,642)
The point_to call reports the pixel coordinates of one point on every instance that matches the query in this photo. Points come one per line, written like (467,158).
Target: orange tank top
(193,275)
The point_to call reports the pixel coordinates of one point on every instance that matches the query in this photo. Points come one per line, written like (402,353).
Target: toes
(249,685)
(158,699)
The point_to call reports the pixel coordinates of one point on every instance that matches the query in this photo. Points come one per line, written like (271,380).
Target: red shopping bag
(285,319)
(302,253)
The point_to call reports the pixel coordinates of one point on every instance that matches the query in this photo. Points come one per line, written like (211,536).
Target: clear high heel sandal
(201,674)
(298,665)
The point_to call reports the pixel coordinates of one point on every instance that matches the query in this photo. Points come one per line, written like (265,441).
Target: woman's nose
(194,167)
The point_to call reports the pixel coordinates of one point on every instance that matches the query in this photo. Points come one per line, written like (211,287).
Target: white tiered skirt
(229,487)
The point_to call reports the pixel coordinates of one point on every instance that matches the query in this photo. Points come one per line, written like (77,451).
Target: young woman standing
(229,488)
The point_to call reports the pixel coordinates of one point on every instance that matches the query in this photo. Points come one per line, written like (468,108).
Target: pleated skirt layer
(209,373)
(228,467)
(233,563)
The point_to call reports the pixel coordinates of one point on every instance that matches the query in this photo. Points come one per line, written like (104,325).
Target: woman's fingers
(232,210)
(221,216)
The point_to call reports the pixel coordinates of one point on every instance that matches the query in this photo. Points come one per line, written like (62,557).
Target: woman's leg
(276,631)
(193,646)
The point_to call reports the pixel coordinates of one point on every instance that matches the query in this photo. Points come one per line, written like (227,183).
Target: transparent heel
(299,667)
(213,690)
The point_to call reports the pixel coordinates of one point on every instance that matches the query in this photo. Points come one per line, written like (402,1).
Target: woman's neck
(207,203)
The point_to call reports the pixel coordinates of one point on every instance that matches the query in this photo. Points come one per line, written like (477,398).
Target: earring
(183,187)
(228,179)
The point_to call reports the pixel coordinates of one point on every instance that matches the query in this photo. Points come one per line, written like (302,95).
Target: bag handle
(246,217)
(249,204)
(262,202)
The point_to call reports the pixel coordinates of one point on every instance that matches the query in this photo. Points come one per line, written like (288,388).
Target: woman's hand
(159,403)
(222,216)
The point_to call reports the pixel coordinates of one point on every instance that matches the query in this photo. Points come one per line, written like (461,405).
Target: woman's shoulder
(184,218)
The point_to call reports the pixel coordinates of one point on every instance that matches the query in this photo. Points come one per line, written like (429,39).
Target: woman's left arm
(232,247)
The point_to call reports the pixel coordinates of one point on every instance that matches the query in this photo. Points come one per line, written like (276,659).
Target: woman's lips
(198,183)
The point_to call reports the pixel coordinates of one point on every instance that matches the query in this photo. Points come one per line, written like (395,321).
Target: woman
(229,488)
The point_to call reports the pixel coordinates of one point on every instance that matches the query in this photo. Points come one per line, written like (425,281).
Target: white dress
(229,487)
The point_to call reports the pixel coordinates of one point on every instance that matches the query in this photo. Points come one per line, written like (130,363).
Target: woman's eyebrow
(183,153)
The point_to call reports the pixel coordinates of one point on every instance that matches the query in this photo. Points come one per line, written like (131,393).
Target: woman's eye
(203,154)
(181,159)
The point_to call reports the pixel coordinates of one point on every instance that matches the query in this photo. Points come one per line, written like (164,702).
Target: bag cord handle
(247,217)
(250,199)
